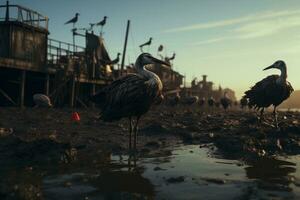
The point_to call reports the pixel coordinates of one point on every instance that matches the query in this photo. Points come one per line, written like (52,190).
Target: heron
(131,96)
(148,43)
(272,90)
(73,20)
(225,101)
(42,100)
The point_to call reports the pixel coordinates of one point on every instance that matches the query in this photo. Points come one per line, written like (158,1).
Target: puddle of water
(188,173)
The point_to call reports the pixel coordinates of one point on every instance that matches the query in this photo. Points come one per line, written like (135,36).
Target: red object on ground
(75,117)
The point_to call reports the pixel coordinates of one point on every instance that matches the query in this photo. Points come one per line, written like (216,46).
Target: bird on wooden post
(131,96)
(102,23)
(148,43)
(272,90)
(73,20)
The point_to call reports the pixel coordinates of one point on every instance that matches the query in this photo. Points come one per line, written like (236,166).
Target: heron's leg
(135,129)
(261,114)
(275,117)
(130,131)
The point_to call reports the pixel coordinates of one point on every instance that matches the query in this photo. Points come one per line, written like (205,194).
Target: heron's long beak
(155,60)
(270,67)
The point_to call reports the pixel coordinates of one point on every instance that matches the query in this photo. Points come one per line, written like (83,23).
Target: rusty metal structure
(31,62)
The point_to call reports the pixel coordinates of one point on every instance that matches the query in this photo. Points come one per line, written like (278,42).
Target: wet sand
(38,142)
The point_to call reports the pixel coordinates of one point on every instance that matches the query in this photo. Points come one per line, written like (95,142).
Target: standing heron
(272,90)
(225,101)
(148,43)
(131,96)
(73,20)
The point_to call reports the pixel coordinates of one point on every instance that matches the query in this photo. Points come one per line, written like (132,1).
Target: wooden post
(72,97)
(22,87)
(47,84)
(125,46)
(7,11)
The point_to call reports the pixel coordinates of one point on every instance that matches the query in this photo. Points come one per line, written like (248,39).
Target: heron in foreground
(131,96)
(272,90)
(42,100)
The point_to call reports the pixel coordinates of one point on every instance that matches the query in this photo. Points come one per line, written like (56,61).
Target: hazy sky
(229,40)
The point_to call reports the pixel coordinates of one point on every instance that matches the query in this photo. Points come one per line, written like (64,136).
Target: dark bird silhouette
(160,48)
(201,101)
(41,100)
(116,60)
(148,43)
(243,102)
(102,23)
(73,20)
(211,101)
(130,96)
(190,100)
(272,90)
(173,101)
(225,101)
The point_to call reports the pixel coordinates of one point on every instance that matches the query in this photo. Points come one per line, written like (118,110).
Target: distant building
(204,89)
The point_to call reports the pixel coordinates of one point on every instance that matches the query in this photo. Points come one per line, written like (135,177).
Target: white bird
(42,100)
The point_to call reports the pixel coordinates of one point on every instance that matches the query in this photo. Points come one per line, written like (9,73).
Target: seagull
(272,90)
(148,43)
(131,96)
(73,20)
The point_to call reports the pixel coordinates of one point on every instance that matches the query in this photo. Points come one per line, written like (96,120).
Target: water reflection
(102,175)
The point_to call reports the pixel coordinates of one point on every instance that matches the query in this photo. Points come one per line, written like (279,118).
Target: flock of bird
(131,96)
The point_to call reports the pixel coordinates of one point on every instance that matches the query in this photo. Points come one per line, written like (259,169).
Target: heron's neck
(283,76)
(152,77)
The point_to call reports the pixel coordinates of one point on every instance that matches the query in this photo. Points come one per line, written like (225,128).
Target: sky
(230,41)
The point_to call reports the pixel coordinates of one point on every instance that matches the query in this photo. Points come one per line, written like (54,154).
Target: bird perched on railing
(243,102)
(211,101)
(130,96)
(225,101)
(272,90)
(148,43)
(73,20)
(41,100)
(102,23)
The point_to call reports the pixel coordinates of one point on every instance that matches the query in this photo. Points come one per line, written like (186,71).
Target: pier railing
(23,15)
(58,50)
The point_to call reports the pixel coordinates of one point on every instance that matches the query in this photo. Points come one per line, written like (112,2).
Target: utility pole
(125,46)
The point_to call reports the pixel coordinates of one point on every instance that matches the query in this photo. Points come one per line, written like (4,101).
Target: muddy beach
(45,155)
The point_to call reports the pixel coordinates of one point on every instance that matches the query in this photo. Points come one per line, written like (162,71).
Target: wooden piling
(47,84)
(22,87)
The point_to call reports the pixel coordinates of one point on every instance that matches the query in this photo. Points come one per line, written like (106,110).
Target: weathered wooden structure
(32,63)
